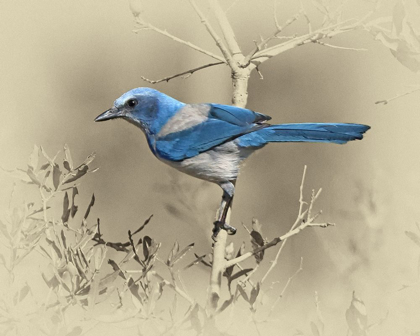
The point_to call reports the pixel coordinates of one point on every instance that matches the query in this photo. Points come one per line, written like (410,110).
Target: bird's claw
(218,225)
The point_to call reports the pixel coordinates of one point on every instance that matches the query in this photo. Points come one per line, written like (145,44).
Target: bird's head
(146,108)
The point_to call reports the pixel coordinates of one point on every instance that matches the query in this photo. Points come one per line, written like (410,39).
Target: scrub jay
(210,141)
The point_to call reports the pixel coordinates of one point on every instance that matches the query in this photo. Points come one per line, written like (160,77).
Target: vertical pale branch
(231,52)
(217,269)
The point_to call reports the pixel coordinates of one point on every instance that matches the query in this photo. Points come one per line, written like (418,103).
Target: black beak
(112,113)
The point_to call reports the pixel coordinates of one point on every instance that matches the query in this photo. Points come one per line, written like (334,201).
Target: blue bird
(210,141)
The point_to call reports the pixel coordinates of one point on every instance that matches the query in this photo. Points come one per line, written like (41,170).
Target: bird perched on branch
(210,141)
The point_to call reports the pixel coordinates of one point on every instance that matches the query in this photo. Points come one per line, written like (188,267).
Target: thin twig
(263,43)
(313,37)
(299,225)
(281,295)
(147,25)
(338,47)
(188,73)
(173,286)
(308,21)
(301,204)
(386,101)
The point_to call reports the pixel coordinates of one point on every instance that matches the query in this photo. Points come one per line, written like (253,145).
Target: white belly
(217,165)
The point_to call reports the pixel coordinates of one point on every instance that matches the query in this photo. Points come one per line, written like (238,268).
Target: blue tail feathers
(306,132)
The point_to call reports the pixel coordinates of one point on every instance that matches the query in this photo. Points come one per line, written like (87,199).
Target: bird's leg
(227,199)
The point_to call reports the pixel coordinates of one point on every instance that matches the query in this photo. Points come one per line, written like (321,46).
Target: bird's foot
(218,225)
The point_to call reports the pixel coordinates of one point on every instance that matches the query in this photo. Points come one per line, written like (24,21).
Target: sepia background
(64,62)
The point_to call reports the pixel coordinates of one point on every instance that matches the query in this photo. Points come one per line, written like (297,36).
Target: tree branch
(218,266)
(300,224)
(276,240)
(188,73)
(225,51)
(227,30)
(311,37)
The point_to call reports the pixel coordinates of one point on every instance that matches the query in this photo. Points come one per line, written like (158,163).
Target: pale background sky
(65,62)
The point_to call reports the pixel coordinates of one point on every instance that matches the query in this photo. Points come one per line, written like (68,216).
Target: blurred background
(65,62)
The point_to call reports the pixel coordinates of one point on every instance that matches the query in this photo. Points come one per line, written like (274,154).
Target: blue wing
(222,123)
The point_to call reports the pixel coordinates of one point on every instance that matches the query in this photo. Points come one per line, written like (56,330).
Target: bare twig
(308,21)
(299,225)
(281,295)
(313,37)
(338,47)
(173,286)
(299,217)
(263,43)
(185,73)
(146,25)
(386,101)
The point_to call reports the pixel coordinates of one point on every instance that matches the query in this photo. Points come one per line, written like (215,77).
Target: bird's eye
(132,102)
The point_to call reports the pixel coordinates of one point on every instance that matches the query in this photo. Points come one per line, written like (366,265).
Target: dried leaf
(91,204)
(66,210)
(254,293)
(45,166)
(414,237)
(182,253)
(68,159)
(314,328)
(356,317)
(174,251)
(74,207)
(44,153)
(89,159)
(19,174)
(257,241)
(195,320)
(34,158)
(56,176)
(24,291)
(143,226)
(240,273)
(99,256)
(66,165)
(226,304)
(241,250)
(196,261)
(229,250)
(134,289)
(4,231)
(202,260)
(55,247)
(147,242)
(63,239)
(82,170)
(66,282)
(76,331)
(257,238)
(398,17)
(33,177)
(256,225)
(242,292)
